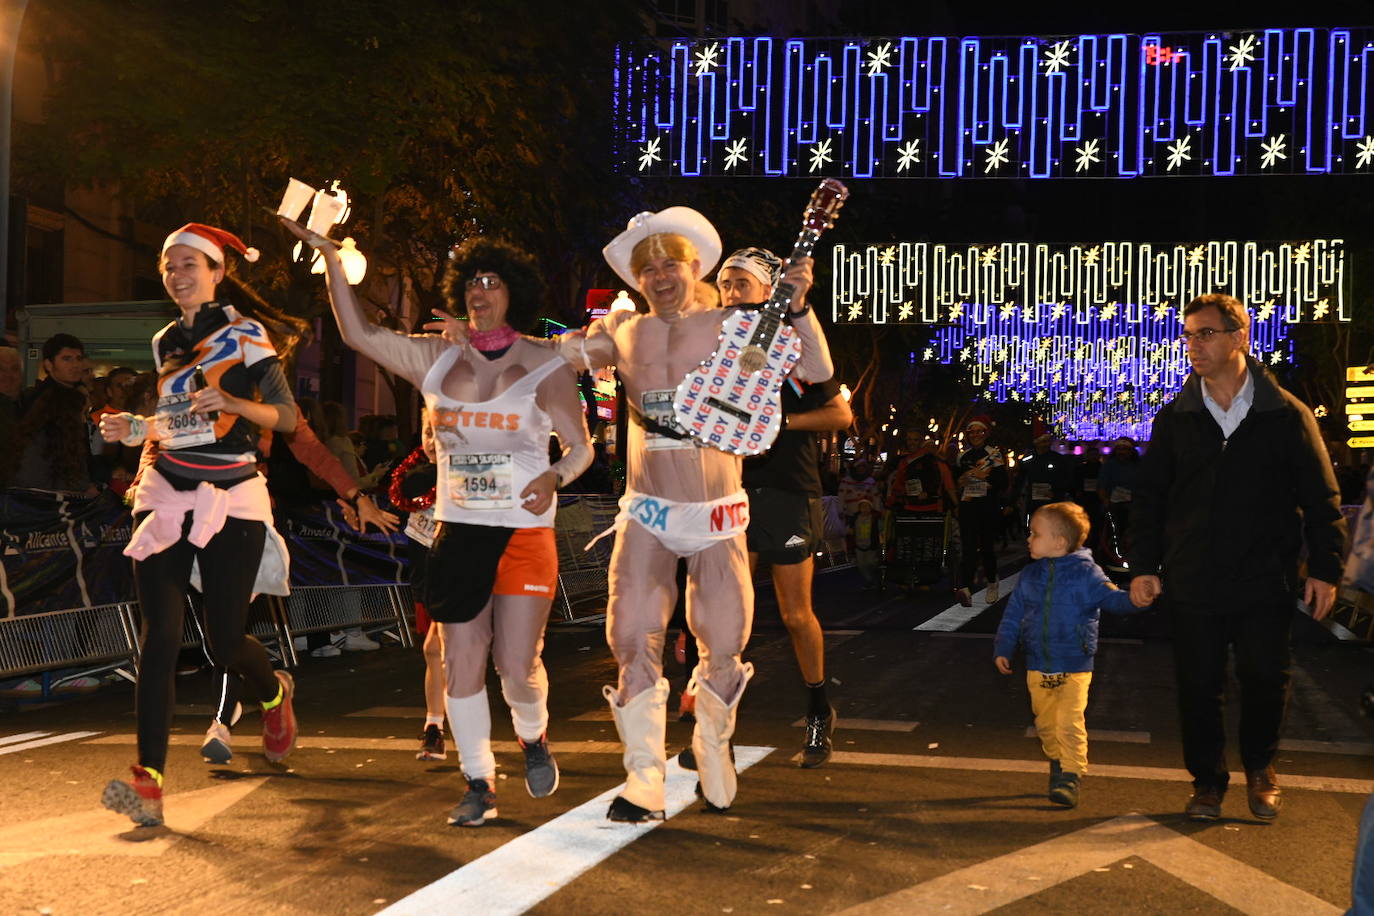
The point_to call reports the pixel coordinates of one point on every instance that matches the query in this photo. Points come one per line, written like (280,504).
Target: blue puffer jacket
(1053,612)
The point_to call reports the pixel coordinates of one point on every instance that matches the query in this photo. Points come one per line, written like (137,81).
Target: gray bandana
(765,266)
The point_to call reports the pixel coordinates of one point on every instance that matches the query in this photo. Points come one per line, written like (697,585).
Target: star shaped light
(997,156)
(887,256)
(1057,58)
(706,58)
(880,58)
(1178,151)
(820,154)
(1321,308)
(1364,152)
(1087,155)
(907,154)
(1108,311)
(1272,150)
(649,154)
(735,153)
(1240,53)
(856,310)
(904,312)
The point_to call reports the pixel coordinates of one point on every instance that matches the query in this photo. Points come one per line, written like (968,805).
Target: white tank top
(489,451)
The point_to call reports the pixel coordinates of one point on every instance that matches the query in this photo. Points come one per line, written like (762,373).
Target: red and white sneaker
(140,800)
(279,723)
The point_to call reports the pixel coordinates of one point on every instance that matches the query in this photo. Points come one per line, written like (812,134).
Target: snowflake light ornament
(887,256)
(1008,310)
(1178,151)
(1196,255)
(1364,152)
(1161,311)
(997,156)
(820,154)
(904,312)
(956,310)
(1265,311)
(856,310)
(1275,358)
(988,257)
(1240,53)
(735,153)
(907,154)
(1028,313)
(706,58)
(1057,311)
(1091,256)
(649,154)
(880,58)
(1303,252)
(1271,151)
(927,354)
(1321,308)
(1108,311)
(1057,58)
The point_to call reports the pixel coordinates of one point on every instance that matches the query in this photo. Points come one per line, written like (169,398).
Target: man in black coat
(1236,479)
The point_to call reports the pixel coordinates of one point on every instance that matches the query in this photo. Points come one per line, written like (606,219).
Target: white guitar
(731,401)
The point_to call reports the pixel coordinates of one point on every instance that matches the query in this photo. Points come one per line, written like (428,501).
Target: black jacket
(1223,521)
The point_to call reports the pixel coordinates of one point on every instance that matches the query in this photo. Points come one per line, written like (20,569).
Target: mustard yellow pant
(1059,701)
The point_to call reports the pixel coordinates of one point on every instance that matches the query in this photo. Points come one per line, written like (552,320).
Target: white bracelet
(138,431)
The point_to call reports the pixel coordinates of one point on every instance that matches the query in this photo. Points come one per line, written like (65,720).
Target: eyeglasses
(487,282)
(1204,334)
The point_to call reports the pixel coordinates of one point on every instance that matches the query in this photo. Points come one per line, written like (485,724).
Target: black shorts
(785,527)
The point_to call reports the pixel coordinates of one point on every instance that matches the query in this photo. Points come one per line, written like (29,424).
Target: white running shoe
(355,640)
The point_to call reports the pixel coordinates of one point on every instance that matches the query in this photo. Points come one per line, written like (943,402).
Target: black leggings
(979,523)
(228,567)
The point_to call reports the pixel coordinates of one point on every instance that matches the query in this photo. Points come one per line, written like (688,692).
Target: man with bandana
(786,518)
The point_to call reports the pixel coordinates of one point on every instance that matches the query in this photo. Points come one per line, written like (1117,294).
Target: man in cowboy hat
(681,501)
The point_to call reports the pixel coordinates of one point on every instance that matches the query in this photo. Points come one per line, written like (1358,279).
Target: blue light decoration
(1248,102)
(1087,331)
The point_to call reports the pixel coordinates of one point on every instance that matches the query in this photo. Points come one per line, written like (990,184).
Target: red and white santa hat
(981,421)
(211,241)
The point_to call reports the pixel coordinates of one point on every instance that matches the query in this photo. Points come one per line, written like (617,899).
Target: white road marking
(1351,748)
(520,874)
(24,736)
(104,833)
(346,743)
(1100,734)
(43,742)
(1017,875)
(1161,774)
(388,712)
(869,725)
(956,615)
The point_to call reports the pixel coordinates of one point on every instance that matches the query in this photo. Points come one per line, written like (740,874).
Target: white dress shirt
(1230,418)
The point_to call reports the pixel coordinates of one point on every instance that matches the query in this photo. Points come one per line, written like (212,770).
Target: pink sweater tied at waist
(209,506)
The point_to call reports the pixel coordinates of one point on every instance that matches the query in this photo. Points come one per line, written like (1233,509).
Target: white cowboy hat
(683,221)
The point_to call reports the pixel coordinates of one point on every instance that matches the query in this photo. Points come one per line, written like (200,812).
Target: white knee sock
(469,718)
(531,720)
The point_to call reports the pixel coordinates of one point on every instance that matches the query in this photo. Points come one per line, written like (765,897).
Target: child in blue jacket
(1053,613)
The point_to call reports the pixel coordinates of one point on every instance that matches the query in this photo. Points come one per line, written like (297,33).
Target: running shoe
(1065,790)
(432,744)
(215,748)
(477,807)
(541,770)
(991,597)
(964,597)
(819,728)
(355,640)
(279,722)
(140,800)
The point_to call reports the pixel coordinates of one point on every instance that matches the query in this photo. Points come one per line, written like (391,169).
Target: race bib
(657,406)
(975,489)
(1041,493)
(483,481)
(1121,494)
(177,426)
(421,527)
(915,489)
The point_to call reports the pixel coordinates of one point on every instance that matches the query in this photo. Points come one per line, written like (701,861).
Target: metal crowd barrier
(99,638)
(583,585)
(325,608)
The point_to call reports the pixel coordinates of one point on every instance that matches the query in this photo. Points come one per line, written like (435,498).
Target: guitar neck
(772,312)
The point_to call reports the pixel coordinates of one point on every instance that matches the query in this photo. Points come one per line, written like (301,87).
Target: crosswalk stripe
(1161,774)
(1101,734)
(956,615)
(520,874)
(869,725)
(346,743)
(25,736)
(43,742)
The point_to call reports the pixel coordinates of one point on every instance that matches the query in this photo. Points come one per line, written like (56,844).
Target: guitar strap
(650,425)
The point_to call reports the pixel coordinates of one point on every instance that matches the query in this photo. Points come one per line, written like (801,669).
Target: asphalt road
(934,801)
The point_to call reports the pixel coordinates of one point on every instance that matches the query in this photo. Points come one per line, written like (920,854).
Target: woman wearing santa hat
(493,402)
(201,510)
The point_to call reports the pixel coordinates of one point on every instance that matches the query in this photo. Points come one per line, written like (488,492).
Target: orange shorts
(529,565)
